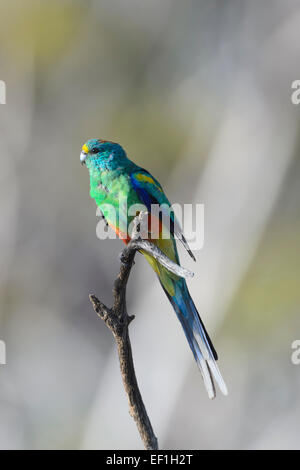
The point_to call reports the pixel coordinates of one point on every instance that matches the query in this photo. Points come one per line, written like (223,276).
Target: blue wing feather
(151,192)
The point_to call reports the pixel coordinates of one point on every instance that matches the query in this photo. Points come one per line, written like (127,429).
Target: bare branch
(153,250)
(118,320)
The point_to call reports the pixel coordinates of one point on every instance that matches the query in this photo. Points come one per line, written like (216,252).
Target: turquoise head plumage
(100,155)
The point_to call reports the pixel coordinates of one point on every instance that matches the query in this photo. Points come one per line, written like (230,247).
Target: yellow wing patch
(146,179)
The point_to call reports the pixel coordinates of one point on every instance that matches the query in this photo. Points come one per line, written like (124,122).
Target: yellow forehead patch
(85,148)
(146,179)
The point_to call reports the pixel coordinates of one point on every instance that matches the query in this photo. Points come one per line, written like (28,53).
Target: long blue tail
(197,336)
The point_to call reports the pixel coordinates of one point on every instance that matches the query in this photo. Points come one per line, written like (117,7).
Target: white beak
(82,157)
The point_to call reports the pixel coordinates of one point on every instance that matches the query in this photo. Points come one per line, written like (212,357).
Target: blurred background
(199,93)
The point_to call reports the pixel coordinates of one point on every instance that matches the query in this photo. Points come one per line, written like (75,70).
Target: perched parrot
(114,178)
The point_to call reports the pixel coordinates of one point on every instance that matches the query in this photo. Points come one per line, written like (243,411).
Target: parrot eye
(94,150)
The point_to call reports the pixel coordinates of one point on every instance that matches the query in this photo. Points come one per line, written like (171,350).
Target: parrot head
(97,154)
